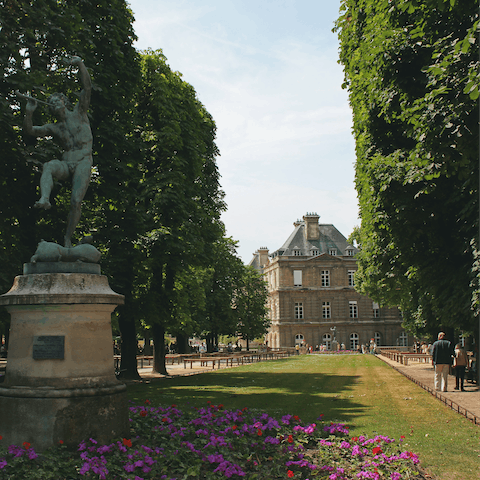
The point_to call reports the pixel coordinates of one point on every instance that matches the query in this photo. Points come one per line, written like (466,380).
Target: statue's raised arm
(86,93)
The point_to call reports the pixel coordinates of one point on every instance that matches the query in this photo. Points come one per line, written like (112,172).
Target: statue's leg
(51,170)
(80,182)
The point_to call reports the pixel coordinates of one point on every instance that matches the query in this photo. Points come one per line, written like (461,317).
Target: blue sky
(267,72)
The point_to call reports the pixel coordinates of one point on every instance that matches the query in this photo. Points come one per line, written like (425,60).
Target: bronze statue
(72,132)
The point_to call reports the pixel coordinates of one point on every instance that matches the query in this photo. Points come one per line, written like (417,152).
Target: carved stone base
(60,381)
(55,415)
(61,267)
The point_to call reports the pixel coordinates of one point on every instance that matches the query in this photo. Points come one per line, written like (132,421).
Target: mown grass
(359,390)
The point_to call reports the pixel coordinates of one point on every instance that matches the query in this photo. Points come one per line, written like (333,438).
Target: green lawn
(359,390)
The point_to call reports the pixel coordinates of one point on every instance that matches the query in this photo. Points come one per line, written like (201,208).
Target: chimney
(312,231)
(263,256)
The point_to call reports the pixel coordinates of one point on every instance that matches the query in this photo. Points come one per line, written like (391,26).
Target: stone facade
(312,298)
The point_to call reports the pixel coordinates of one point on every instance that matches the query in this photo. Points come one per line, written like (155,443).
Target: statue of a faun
(72,132)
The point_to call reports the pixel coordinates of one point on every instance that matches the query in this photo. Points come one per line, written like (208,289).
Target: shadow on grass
(305,394)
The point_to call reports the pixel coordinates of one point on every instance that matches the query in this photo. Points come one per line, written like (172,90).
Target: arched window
(353,341)
(299,339)
(327,341)
(378,338)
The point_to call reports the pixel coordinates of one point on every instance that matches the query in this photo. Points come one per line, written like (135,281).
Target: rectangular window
(376,310)
(350,253)
(297,278)
(326,310)
(315,252)
(298,310)
(353,309)
(332,251)
(351,278)
(296,253)
(325,278)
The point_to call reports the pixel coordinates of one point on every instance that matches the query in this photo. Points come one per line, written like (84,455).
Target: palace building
(312,299)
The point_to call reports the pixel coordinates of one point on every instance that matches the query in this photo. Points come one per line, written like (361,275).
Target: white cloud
(268,74)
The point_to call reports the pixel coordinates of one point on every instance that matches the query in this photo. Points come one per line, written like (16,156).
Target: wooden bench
(178,357)
(205,360)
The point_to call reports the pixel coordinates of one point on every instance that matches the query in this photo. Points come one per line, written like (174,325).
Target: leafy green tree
(411,69)
(180,193)
(220,317)
(251,306)
(36,36)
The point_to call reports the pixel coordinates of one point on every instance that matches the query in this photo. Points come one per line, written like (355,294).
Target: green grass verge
(359,390)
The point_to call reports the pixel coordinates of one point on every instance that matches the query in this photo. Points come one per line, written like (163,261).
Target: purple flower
(31,454)
(356,451)
(85,468)
(149,460)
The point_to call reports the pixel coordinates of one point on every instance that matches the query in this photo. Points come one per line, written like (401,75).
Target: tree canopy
(154,202)
(411,69)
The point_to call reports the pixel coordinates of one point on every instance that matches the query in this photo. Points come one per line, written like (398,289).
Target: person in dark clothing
(460,362)
(442,352)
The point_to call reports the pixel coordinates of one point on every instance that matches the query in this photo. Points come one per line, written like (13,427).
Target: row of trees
(411,69)
(155,200)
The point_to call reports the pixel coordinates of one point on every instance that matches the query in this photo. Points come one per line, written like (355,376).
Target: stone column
(60,382)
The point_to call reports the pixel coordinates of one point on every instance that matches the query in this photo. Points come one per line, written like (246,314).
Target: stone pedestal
(60,383)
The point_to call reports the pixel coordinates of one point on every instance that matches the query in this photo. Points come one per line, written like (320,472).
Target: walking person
(460,362)
(442,353)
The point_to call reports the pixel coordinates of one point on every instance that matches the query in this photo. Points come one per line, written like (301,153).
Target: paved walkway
(467,402)
(176,370)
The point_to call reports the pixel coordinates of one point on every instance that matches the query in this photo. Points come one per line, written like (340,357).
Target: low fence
(449,403)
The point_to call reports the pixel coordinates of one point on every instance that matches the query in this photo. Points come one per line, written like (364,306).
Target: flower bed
(211,443)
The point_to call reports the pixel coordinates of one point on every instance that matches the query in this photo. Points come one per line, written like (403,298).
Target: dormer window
(315,252)
(350,251)
(332,251)
(296,252)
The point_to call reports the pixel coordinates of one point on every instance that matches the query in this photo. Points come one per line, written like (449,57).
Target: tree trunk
(248,344)
(147,349)
(209,342)
(182,343)
(158,333)
(128,362)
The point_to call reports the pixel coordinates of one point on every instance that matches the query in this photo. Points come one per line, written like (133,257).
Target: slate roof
(329,238)
(255,262)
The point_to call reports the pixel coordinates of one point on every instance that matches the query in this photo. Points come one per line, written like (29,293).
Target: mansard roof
(329,238)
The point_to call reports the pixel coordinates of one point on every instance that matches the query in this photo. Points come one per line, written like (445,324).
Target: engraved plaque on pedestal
(49,347)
